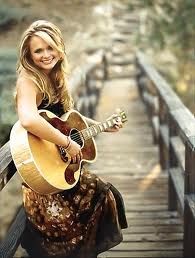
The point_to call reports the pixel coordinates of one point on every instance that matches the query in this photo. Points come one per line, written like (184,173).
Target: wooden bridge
(151,160)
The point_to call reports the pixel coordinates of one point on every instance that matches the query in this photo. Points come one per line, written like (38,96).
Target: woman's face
(42,54)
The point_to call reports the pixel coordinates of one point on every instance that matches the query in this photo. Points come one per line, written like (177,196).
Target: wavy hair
(54,89)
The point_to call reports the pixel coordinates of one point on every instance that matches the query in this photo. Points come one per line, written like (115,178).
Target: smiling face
(42,54)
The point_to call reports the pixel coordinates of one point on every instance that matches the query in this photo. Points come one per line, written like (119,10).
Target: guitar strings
(80,134)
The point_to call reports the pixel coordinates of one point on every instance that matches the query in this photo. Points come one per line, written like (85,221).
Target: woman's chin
(47,68)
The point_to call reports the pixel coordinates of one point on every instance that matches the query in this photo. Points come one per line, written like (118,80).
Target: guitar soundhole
(69,172)
(75,136)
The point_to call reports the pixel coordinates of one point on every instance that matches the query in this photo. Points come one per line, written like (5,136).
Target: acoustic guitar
(46,167)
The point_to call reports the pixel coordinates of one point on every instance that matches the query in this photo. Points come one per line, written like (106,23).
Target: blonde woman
(80,222)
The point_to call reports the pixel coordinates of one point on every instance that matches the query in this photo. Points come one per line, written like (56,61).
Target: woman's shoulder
(24,80)
(23,76)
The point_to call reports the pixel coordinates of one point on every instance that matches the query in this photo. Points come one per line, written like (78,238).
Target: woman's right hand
(74,150)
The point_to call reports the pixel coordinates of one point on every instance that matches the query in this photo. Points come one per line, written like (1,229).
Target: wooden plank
(7,167)
(178,182)
(124,176)
(149,246)
(145,195)
(5,158)
(136,207)
(189,225)
(190,202)
(151,214)
(185,123)
(77,75)
(9,245)
(146,202)
(154,221)
(169,97)
(153,237)
(179,150)
(164,132)
(142,254)
(154,229)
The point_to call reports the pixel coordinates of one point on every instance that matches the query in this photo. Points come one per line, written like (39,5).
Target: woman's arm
(29,117)
(27,94)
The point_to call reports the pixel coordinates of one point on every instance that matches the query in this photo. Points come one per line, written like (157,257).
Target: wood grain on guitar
(47,168)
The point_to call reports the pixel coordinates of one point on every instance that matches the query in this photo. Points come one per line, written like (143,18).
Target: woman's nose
(46,53)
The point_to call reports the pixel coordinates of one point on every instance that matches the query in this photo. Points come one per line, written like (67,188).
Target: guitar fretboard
(96,129)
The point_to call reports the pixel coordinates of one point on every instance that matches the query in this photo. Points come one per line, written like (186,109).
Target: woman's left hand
(118,124)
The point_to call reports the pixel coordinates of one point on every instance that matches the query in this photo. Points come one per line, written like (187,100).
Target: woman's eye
(50,48)
(38,51)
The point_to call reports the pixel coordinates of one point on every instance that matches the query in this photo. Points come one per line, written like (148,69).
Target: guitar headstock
(123,116)
(120,114)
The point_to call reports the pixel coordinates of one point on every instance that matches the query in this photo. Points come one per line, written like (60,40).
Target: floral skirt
(81,222)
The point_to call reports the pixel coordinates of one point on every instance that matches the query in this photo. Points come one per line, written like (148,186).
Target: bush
(10,16)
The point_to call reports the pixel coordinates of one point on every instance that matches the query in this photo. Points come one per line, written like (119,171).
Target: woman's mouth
(48,61)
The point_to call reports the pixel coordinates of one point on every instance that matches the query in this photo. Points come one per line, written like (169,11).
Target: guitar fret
(97,128)
(90,132)
(101,128)
(86,135)
(109,123)
(105,125)
(95,131)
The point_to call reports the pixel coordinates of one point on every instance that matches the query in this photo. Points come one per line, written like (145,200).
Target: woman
(85,220)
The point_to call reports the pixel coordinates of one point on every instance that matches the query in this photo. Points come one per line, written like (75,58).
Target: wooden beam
(10,244)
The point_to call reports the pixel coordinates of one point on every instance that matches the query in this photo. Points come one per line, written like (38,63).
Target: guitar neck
(94,130)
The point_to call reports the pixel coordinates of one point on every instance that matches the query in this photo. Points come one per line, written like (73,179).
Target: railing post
(172,162)
(105,67)
(189,221)
(163,135)
(94,83)
(150,101)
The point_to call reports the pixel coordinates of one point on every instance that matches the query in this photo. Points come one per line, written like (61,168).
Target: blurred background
(166,34)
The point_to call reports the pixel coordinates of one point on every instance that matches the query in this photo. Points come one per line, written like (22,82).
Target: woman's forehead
(36,40)
(45,37)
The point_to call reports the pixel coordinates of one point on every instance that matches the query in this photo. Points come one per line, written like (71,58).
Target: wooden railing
(174,131)
(85,84)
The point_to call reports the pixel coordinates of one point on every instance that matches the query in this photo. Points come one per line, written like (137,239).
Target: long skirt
(77,223)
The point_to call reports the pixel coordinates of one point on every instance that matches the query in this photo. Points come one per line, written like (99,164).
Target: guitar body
(40,163)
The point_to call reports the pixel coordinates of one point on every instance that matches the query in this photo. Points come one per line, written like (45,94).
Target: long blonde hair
(54,89)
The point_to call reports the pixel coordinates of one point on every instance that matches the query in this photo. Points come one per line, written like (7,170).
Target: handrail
(164,90)
(174,131)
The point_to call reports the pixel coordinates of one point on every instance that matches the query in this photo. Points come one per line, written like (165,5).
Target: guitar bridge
(62,153)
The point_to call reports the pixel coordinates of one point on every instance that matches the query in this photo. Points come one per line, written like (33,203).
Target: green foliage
(170,22)
(4,133)
(10,16)
(170,25)
(7,84)
(8,54)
